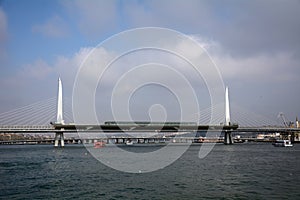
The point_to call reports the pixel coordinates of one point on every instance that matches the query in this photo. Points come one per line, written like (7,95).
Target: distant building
(269,135)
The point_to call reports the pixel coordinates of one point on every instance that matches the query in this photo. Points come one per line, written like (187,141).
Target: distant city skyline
(254,44)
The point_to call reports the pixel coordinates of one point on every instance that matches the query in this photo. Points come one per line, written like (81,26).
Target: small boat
(99,144)
(129,143)
(283,143)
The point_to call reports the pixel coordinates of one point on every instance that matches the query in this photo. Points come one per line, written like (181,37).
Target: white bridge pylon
(59,136)
(227,108)
(228,139)
(59,118)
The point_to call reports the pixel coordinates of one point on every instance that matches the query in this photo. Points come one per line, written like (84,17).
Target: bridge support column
(228,139)
(292,139)
(228,135)
(59,136)
(59,139)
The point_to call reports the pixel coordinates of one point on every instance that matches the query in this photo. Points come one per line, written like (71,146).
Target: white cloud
(38,70)
(54,27)
(264,68)
(268,70)
(68,67)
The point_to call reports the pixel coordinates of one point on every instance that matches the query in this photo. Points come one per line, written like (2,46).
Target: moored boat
(282,143)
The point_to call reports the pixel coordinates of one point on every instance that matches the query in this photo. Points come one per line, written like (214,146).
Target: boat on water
(282,143)
(129,143)
(99,144)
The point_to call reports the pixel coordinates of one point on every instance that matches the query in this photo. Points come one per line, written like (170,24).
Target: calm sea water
(240,171)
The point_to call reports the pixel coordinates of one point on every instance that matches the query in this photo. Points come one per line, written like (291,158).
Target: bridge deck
(70,128)
(115,128)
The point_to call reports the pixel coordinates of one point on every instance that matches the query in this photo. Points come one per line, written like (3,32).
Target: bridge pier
(59,139)
(228,139)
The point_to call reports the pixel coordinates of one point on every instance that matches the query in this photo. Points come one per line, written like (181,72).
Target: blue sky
(255,44)
(24,17)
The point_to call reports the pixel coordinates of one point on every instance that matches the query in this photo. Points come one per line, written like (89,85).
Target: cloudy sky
(254,44)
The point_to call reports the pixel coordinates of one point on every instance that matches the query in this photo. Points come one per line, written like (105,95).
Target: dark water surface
(240,171)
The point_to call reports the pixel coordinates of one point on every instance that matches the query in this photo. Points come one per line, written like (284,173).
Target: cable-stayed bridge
(36,118)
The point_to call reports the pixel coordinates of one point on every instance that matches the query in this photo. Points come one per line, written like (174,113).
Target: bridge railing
(26,127)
